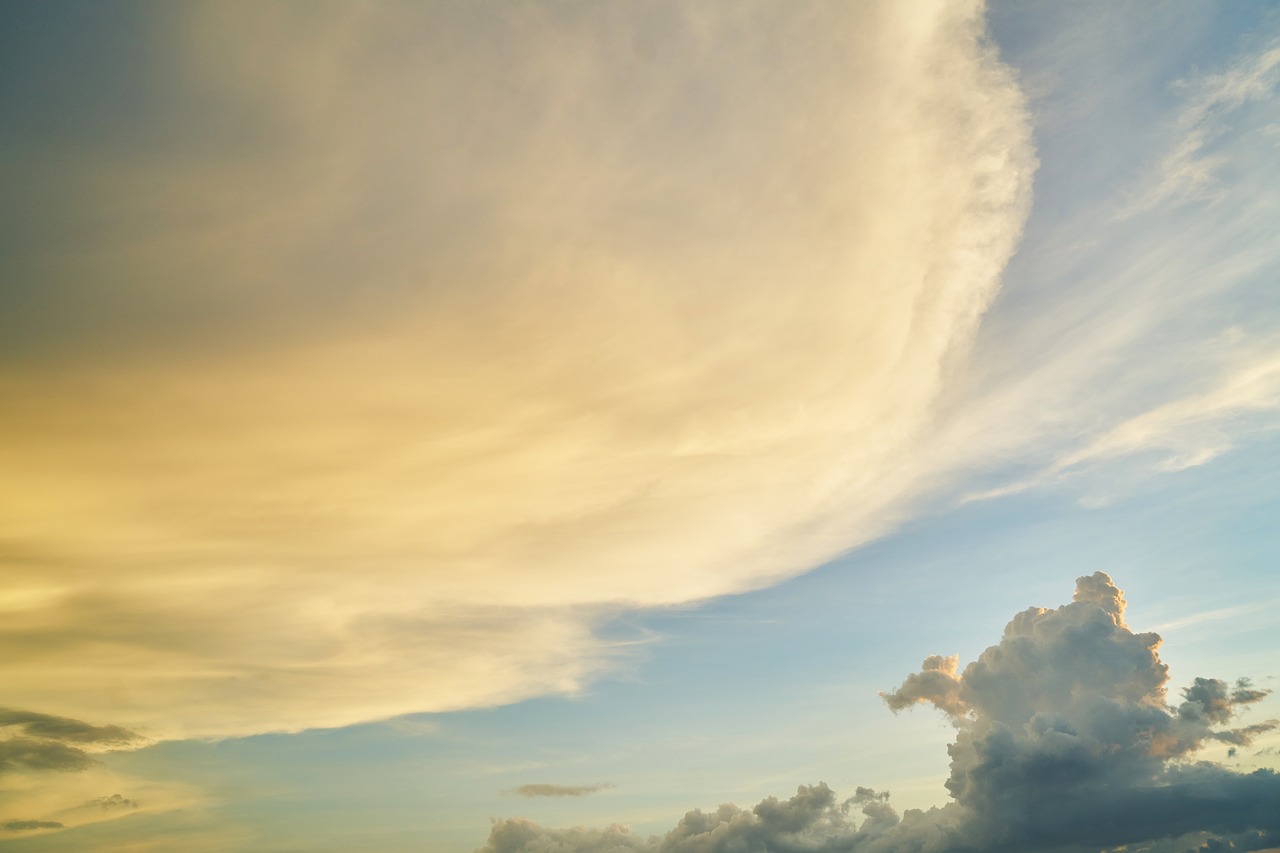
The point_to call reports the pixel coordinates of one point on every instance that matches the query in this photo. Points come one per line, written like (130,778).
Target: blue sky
(405,405)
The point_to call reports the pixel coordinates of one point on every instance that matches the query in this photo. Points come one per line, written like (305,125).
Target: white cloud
(1134,340)
(1188,171)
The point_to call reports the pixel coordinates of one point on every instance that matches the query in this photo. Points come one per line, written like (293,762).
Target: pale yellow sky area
(478,326)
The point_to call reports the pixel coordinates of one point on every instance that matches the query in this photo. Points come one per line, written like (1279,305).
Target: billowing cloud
(362,364)
(1066,740)
(542,789)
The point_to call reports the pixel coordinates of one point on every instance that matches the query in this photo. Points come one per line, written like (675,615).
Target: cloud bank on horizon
(1066,740)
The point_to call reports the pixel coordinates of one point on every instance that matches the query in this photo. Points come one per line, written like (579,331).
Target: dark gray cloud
(47,742)
(64,728)
(25,753)
(542,789)
(1066,741)
(111,803)
(25,825)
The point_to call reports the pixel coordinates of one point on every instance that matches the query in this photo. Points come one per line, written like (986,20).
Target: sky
(540,427)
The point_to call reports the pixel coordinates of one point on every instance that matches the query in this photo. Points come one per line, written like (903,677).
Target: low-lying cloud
(1066,740)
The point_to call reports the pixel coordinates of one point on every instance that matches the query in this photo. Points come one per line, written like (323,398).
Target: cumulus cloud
(1066,740)
(406,340)
(542,789)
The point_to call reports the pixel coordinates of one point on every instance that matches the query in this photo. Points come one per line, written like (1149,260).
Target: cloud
(1065,740)
(384,350)
(65,729)
(545,790)
(115,801)
(1191,429)
(1188,172)
(48,742)
(39,746)
(1139,337)
(70,793)
(1186,432)
(26,825)
(23,753)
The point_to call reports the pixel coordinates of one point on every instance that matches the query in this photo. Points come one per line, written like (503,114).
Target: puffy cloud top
(1065,741)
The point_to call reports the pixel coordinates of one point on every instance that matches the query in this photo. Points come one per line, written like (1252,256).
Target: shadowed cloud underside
(1065,740)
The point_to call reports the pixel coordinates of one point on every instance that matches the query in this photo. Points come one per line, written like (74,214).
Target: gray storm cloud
(1067,740)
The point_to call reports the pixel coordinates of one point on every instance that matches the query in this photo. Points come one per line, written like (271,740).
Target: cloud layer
(382,347)
(1066,741)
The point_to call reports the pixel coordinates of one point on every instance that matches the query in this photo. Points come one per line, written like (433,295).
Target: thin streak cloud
(542,789)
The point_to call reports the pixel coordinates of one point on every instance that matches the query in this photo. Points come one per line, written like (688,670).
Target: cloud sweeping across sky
(626,386)
(464,326)
(1066,740)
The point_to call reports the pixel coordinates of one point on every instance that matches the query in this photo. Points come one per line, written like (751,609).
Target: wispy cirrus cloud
(1139,340)
(1188,171)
